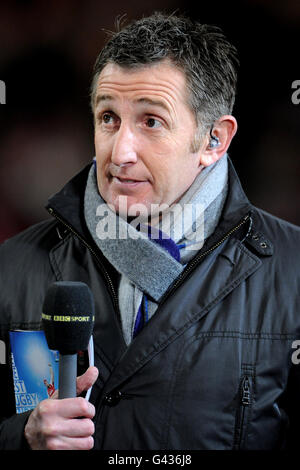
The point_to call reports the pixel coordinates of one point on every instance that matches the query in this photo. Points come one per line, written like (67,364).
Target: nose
(124,150)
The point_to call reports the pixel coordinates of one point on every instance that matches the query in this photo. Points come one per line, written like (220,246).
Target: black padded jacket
(216,367)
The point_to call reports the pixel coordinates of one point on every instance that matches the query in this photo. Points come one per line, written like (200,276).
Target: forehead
(162,80)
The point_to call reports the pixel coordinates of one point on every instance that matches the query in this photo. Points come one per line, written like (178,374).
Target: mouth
(128,182)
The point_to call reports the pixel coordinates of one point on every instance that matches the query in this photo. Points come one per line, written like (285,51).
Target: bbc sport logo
(2,92)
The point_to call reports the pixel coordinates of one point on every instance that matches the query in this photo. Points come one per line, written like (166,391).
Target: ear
(224,130)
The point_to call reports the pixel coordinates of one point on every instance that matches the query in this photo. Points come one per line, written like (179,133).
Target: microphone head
(68,316)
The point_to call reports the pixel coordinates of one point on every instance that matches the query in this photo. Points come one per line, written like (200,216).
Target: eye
(107,118)
(153,123)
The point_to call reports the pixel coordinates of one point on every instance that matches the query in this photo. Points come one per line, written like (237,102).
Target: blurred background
(47,52)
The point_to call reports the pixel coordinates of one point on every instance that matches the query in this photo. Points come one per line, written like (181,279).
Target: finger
(72,428)
(85,381)
(67,443)
(68,408)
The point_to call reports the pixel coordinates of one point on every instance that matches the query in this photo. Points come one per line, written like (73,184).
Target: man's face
(144,131)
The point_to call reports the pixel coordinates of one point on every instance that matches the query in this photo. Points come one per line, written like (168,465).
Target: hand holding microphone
(68,316)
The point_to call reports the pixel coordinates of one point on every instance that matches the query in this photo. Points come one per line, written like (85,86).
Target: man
(196,315)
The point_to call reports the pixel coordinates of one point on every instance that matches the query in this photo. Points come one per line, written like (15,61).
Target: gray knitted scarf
(145,267)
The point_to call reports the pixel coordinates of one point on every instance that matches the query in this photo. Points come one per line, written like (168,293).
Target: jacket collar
(68,202)
(237,205)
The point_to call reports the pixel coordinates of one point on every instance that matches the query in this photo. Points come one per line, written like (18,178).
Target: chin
(131,207)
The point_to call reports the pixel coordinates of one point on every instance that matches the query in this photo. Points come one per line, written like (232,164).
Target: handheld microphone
(68,318)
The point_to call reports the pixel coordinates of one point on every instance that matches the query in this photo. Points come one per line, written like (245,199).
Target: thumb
(85,381)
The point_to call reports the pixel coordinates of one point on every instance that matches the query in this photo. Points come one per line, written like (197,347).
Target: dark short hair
(208,60)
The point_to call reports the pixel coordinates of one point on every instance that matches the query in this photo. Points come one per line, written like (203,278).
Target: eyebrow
(100,98)
(144,100)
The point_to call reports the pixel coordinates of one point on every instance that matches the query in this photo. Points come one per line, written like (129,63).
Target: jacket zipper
(110,283)
(245,402)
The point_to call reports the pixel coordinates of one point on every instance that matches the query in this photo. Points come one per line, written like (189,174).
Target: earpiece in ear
(214,141)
